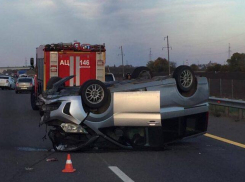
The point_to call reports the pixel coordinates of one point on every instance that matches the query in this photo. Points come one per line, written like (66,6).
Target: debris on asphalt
(28,168)
(51,159)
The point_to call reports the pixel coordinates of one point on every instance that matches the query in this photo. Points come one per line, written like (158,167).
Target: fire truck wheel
(94,94)
(52,81)
(185,78)
(33,101)
(141,72)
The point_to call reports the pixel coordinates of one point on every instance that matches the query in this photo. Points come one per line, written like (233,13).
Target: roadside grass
(231,112)
(217,111)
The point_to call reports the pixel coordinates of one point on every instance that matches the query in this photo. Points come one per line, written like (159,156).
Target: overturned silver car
(138,113)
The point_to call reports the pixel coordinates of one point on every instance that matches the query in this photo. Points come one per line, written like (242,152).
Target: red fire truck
(85,61)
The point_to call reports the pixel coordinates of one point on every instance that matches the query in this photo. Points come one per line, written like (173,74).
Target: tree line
(160,65)
(235,64)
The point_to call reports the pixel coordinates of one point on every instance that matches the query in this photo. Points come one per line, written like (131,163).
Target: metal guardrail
(227,102)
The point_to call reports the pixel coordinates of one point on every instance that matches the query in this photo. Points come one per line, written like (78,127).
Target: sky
(199,30)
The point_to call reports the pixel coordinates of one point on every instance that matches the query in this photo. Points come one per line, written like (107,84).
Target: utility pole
(150,55)
(108,69)
(25,62)
(122,59)
(168,54)
(229,51)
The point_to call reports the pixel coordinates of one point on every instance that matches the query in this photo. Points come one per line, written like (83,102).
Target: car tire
(16,92)
(52,81)
(185,78)
(141,72)
(94,94)
(33,101)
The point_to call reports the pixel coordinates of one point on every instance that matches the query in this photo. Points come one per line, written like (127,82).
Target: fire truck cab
(85,61)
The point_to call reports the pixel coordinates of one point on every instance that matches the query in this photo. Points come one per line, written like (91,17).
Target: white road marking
(30,149)
(120,174)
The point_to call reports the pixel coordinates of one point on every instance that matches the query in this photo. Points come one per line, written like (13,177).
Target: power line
(207,54)
(240,47)
(216,41)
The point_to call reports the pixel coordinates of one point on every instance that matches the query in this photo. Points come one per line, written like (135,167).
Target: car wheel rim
(94,94)
(144,75)
(186,78)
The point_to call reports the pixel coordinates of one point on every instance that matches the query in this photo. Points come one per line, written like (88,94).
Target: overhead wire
(211,42)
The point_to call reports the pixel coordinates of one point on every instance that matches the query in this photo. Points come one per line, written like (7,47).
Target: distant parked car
(24,84)
(23,75)
(7,82)
(109,77)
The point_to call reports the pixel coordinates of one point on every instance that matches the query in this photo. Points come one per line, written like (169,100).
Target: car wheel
(16,92)
(94,94)
(52,81)
(141,72)
(185,78)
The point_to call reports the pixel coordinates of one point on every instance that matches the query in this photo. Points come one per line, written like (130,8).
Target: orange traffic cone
(68,167)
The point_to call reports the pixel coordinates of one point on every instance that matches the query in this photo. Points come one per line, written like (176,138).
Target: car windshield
(25,80)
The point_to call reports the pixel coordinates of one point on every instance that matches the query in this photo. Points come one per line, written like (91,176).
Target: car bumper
(5,87)
(23,88)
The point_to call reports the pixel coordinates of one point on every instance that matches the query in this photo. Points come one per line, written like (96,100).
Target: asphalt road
(23,153)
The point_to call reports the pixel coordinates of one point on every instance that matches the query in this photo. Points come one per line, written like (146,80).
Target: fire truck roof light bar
(75,47)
